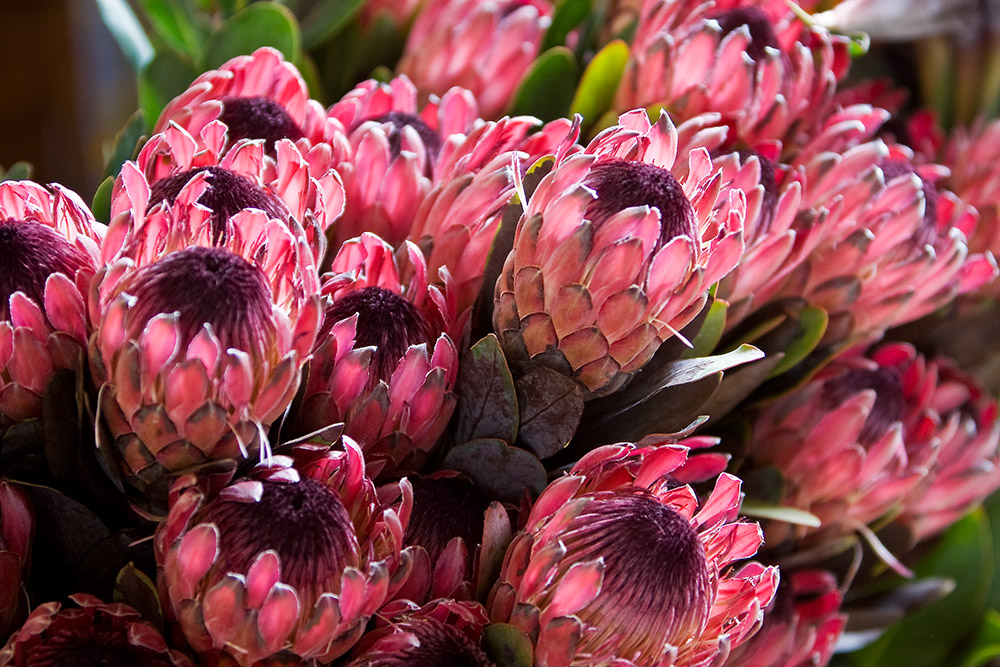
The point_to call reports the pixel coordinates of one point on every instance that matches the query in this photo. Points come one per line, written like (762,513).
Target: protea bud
(48,254)
(259,96)
(458,536)
(293,558)
(617,561)
(614,254)
(757,63)
(384,363)
(17,529)
(197,352)
(175,195)
(442,632)
(484,47)
(93,634)
(801,625)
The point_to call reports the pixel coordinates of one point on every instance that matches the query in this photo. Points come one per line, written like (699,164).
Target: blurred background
(67,90)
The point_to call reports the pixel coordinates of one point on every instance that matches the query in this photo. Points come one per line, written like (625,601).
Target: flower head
(293,558)
(614,254)
(616,561)
(17,529)
(483,47)
(384,362)
(92,634)
(48,254)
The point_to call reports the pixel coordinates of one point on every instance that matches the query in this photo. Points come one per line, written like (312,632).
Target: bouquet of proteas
(557,333)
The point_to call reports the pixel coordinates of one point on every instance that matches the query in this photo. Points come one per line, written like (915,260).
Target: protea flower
(458,535)
(483,47)
(617,562)
(48,254)
(801,625)
(392,153)
(756,63)
(92,634)
(384,363)
(870,434)
(200,350)
(442,632)
(175,195)
(293,559)
(614,254)
(260,96)
(17,529)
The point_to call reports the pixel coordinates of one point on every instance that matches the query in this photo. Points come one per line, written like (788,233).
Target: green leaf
(326,18)
(710,333)
(162,79)
(135,589)
(127,31)
(986,645)
(488,408)
(101,205)
(596,93)
(812,326)
(551,405)
(567,16)
(260,24)
(19,171)
(547,89)
(507,646)
(761,510)
(502,472)
(127,143)
(173,21)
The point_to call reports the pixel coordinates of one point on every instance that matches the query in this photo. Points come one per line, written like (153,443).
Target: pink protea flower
(17,530)
(756,63)
(175,195)
(614,254)
(259,96)
(48,254)
(92,634)
(485,47)
(200,350)
(457,535)
(442,632)
(801,625)
(617,562)
(291,559)
(384,362)
(871,434)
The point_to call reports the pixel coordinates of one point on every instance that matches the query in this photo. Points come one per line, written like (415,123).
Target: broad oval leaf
(488,405)
(546,91)
(551,406)
(259,24)
(507,646)
(503,472)
(596,93)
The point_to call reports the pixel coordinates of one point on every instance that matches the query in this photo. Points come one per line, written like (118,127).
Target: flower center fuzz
(386,320)
(889,404)
(438,644)
(400,119)
(227,194)
(97,647)
(29,253)
(925,233)
(621,184)
(762,34)
(445,508)
(657,586)
(258,118)
(305,523)
(206,286)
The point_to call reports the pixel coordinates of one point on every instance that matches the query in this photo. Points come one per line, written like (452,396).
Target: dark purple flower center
(889,407)
(206,286)
(93,647)
(400,119)
(892,169)
(437,644)
(762,33)
(258,118)
(622,184)
(657,585)
(445,508)
(386,320)
(305,523)
(227,194)
(29,253)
